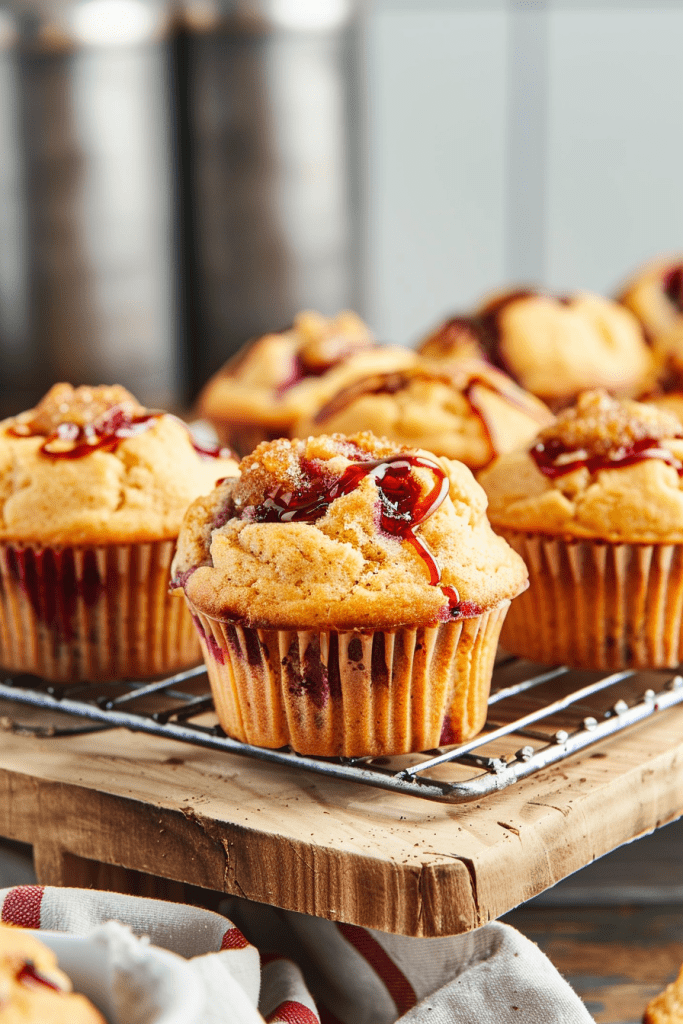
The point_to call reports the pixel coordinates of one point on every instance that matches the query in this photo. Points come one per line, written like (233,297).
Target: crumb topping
(599,425)
(81,406)
(325,341)
(295,466)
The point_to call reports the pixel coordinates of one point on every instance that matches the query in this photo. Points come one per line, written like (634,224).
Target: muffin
(553,347)
(595,508)
(655,296)
(32,988)
(348,595)
(667,1007)
(468,411)
(262,391)
(93,488)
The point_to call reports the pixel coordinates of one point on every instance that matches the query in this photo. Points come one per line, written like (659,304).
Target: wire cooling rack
(537,716)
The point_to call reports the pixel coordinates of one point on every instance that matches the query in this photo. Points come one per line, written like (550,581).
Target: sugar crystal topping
(599,425)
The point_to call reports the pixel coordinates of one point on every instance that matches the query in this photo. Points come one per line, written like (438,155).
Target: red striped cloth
(265,965)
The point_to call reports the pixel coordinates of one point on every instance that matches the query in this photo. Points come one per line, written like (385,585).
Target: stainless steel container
(87,274)
(272,177)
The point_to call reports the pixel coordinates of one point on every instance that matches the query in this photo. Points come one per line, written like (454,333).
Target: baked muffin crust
(280,377)
(90,465)
(553,347)
(338,567)
(468,410)
(607,469)
(33,989)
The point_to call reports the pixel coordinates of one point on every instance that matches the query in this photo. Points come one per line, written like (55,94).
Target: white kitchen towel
(262,964)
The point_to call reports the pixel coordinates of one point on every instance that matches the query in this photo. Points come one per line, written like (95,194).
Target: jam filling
(554,459)
(73,441)
(673,287)
(403,507)
(54,584)
(29,975)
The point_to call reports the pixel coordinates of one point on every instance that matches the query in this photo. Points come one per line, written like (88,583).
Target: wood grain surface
(324,847)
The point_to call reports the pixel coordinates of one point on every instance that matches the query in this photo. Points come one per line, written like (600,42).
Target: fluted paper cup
(352,693)
(597,605)
(92,613)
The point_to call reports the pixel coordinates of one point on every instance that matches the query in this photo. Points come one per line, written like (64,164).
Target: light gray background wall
(509,142)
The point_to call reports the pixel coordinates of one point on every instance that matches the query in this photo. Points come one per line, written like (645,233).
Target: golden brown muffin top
(667,1007)
(466,410)
(32,988)
(607,469)
(90,465)
(602,426)
(553,347)
(276,379)
(344,533)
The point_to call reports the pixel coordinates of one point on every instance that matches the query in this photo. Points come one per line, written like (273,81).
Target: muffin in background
(269,384)
(595,508)
(348,595)
(465,410)
(553,347)
(669,401)
(667,1007)
(93,489)
(655,296)
(33,989)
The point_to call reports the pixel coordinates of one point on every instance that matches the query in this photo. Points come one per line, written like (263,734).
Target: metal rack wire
(553,713)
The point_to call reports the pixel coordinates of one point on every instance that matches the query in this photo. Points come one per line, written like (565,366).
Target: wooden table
(616,958)
(100,806)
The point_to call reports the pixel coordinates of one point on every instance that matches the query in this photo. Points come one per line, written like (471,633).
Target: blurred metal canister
(87,272)
(271,181)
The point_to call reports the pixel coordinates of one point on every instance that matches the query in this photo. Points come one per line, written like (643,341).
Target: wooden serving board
(321,846)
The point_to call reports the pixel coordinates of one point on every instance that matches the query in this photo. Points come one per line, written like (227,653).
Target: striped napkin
(260,964)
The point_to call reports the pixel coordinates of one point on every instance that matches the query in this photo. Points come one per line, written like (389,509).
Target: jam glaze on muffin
(607,469)
(553,347)
(93,488)
(595,508)
(260,393)
(466,410)
(348,595)
(33,989)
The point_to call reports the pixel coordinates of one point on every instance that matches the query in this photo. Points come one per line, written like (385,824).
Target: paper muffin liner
(597,605)
(352,693)
(92,613)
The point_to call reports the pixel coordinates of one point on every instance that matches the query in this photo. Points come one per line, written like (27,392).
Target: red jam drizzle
(554,459)
(29,975)
(106,434)
(390,383)
(377,384)
(403,507)
(673,287)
